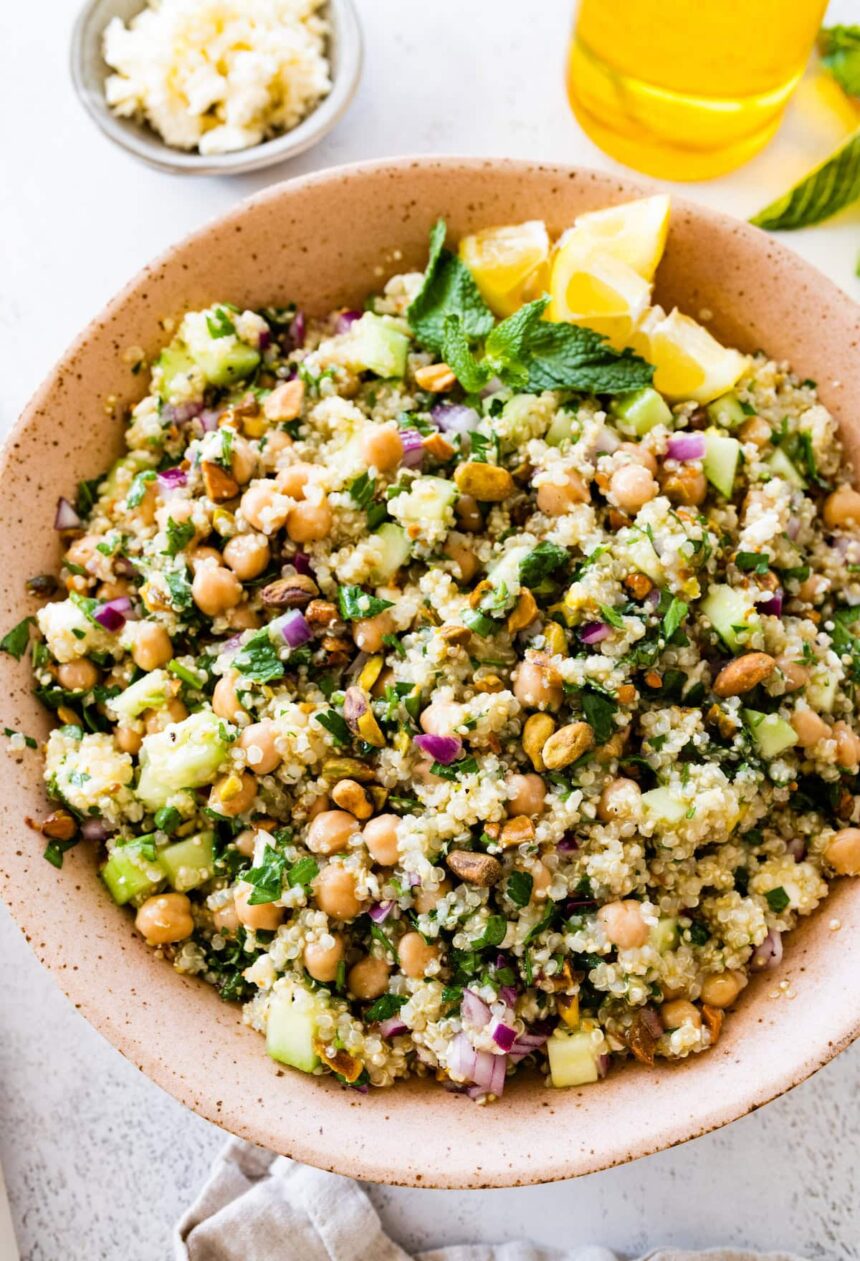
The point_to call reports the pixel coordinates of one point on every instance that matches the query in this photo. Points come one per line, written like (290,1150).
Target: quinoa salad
(466,683)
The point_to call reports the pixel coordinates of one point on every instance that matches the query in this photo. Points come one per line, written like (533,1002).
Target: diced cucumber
(186,754)
(821,692)
(640,549)
(396,550)
(149,692)
(726,411)
(129,874)
(664,934)
(662,807)
(640,411)
(721,461)
(731,613)
(377,346)
(291,1029)
(781,466)
(572,1061)
(224,360)
(772,734)
(560,429)
(189,863)
(506,570)
(173,362)
(428,499)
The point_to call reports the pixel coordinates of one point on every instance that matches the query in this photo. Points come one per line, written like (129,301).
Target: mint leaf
(354,603)
(508,344)
(840,53)
(599,711)
(448,289)
(15,641)
(828,188)
(384,1008)
(266,878)
(519,887)
(258,659)
(457,353)
(542,561)
(137,490)
(570,357)
(673,617)
(609,615)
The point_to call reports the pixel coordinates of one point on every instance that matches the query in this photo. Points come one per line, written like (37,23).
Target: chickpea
(201,555)
(468,513)
(555,499)
(441,718)
(678,1012)
(306,523)
(368,978)
(264,916)
(812,588)
(843,852)
(233,794)
(225,920)
(528,794)
(276,441)
(319,805)
(245,842)
(621,798)
(225,701)
(247,555)
(841,507)
(258,741)
(264,507)
(809,728)
(380,837)
(77,676)
(623,924)
(427,899)
(847,745)
(368,632)
(757,431)
(382,447)
(686,485)
(335,892)
(463,557)
(536,686)
(330,831)
(631,487)
(293,479)
(640,454)
(323,961)
(152,646)
(720,989)
(127,741)
(158,719)
(215,590)
(165,918)
(82,550)
(415,955)
(243,461)
(794,675)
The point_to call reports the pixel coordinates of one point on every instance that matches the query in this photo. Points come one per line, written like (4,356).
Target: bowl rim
(813,1052)
(145,144)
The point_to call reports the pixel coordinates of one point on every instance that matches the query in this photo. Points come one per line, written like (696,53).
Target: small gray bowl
(89,72)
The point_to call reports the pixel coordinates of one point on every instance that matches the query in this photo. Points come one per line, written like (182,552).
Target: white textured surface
(98,1160)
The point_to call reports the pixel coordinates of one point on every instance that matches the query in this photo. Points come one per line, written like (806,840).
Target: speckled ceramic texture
(321,241)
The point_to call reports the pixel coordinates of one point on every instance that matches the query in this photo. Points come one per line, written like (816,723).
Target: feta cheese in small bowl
(216,88)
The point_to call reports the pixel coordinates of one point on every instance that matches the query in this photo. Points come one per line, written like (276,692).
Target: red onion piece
(526,1044)
(112,615)
(492,387)
(380,912)
(567,844)
(65,517)
(171,478)
(455,417)
(508,995)
(345,321)
(444,749)
(94,830)
(462,1057)
(392,1026)
(771,604)
(503,1035)
(413,448)
(180,413)
(298,329)
(474,1009)
(295,629)
(208,420)
(594,632)
(653,598)
(793,527)
(769,953)
(797,848)
(302,564)
(602,1065)
(686,446)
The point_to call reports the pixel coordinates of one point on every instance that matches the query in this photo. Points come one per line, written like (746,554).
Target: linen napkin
(260,1207)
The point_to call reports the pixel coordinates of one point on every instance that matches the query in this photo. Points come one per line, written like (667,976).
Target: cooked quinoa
(452,727)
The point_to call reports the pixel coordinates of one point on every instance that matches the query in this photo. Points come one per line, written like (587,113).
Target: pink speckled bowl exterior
(322,241)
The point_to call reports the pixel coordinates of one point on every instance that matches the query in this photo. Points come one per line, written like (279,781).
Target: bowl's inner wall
(321,243)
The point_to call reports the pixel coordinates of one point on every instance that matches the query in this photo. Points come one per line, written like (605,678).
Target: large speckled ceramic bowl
(321,241)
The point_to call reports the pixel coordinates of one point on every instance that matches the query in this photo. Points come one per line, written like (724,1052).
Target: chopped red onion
(462,1057)
(771,604)
(769,953)
(413,879)
(474,1009)
(797,848)
(653,597)
(112,615)
(602,1065)
(489,1075)
(391,1027)
(295,629)
(793,527)
(171,478)
(94,830)
(264,341)
(686,446)
(413,448)
(492,387)
(444,749)
(180,413)
(380,912)
(302,564)
(345,321)
(594,632)
(508,995)
(65,517)
(298,329)
(503,1035)
(208,420)
(455,417)
(526,1044)
(567,844)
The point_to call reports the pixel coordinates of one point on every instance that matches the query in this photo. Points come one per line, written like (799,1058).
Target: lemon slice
(634,233)
(596,289)
(690,363)
(509,263)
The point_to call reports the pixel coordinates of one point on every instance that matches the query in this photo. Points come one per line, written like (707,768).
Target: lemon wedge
(509,263)
(591,287)
(690,363)
(634,233)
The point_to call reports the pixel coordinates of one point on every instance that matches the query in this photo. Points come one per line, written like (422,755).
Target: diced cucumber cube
(428,499)
(781,466)
(731,613)
(129,873)
(396,550)
(726,411)
(664,934)
(721,461)
(640,411)
(225,360)
(821,692)
(378,346)
(173,362)
(661,807)
(148,692)
(572,1061)
(189,863)
(186,754)
(291,1029)
(640,549)
(772,735)
(560,429)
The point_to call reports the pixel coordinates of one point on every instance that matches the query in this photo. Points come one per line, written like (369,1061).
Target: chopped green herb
(15,641)
(541,562)
(674,616)
(777,899)
(519,887)
(599,711)
(493,934)
(267,878)
(384,1008)
(137,490)
(258,659)
(335,725)
(753,562)
(303,872)
(355,603)
(463,766)
(219,323)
